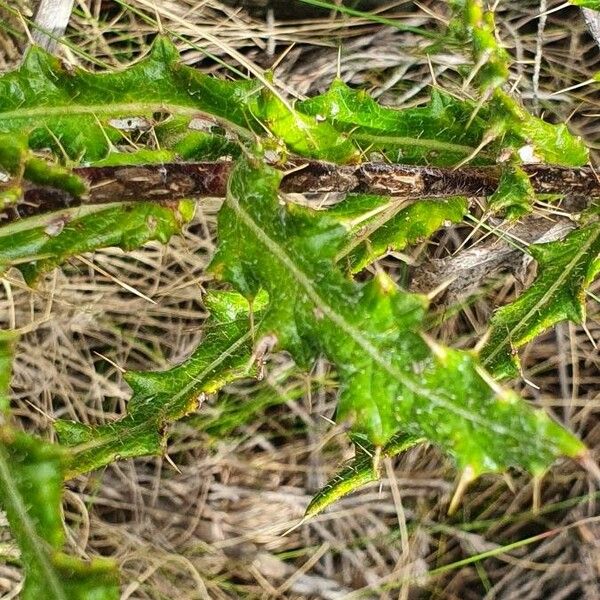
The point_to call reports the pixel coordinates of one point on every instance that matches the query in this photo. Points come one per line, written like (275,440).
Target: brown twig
(173,181)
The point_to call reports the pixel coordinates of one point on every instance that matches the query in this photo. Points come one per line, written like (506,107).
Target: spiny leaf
(161,397)
(446,131)
(474,25)
(550,143)
(355,475)
(73,111)
(435,134)
(38,244)
(17,160)
(515,194)
(363,469)
(565,270)
(391,379)
(7,339)
(593,4)
(31,476)
(379,225)
(508,123)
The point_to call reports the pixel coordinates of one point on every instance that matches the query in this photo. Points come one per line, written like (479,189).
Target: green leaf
(392,378)
(356,474)
(31,476)
(445,132)
(379,225)
(436,134)
(7,340)
(302,134)
(17,160)
(73,111)
(550,143)
(142,156)
(593,4)
(196,139)
(363,469)
(474,25)
(13,153)
(515,194)
(161,397)
(38,244)
(565,270)
(507,121)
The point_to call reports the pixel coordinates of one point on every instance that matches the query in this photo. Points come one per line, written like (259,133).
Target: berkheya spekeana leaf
(161,397)
(392,378)
(19,164)
(362,469)
(474,25)
(507,120)
(77,113)
(7,339)
(533,137)
(434,134)
(31,481)
(38,244)
(565,270)
(508,126)
(515,194)
(594,4)
(378,225)
(446,131)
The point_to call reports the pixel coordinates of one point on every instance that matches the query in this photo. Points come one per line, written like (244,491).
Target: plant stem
(173,181)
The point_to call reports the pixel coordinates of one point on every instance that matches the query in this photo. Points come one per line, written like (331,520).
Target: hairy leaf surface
(362,469)
(565,270)
(446,131)
(31,480)
(6,356)
(161,397)
(515,194)
(73,111)
(379,225)
(434,134)
(39,244)
(391,378)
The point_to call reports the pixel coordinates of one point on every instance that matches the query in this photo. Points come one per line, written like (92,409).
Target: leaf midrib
(522,324)
(110,109)
(376,219)
(307,284)
(134,430)
(428,143)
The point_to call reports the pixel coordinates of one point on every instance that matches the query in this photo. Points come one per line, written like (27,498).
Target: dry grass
(212,528)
